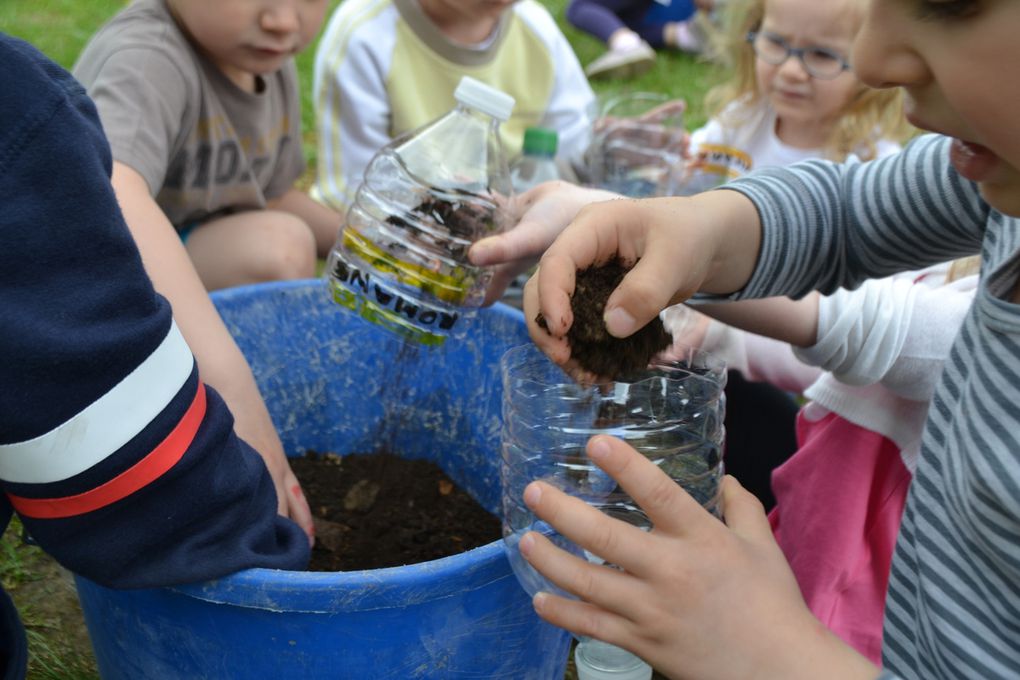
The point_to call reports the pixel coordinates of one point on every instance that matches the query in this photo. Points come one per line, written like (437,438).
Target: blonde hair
(871,115)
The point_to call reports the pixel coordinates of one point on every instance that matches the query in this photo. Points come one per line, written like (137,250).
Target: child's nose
(281,17)
(883,55)
(793,68)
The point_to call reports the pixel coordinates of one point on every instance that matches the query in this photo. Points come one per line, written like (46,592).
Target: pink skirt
(839,500)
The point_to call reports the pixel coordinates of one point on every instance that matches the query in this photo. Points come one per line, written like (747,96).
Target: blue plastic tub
(336,383)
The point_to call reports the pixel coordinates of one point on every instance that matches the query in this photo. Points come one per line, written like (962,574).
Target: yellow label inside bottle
(451,288)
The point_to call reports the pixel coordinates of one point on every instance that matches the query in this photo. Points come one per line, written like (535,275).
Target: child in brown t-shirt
(200,103)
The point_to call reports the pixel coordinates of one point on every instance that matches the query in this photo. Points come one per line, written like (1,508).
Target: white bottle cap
(485,98)
(610,663)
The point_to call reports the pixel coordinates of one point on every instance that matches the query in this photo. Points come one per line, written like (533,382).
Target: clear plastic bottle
(672,412)
(637,146)
(537,162)
(400,260)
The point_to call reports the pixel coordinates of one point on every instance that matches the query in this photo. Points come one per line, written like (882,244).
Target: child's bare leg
(323,221)
(263,245)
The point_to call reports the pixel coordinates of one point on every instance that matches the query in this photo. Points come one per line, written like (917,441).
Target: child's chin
(261,65)
(266,66)
(1002,195)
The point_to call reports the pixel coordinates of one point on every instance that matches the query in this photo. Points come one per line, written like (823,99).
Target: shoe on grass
(688,36)
(622,63)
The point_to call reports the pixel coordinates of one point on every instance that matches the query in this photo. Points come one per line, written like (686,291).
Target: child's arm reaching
(696,598)
(121,462)
(897,331)
(755,337)
(812,226)
(784,319)
(544,212)
(220,360)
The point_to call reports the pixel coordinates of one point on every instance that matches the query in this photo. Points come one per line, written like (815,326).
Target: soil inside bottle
(461,219)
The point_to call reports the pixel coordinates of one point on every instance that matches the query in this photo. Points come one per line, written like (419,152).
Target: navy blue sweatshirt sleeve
(120,462)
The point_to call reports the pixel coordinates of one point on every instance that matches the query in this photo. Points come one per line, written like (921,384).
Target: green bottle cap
(539,141)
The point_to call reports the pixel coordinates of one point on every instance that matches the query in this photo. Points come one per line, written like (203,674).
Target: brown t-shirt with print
(205,146)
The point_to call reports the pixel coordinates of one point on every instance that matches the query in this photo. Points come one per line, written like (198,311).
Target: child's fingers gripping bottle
(400,260)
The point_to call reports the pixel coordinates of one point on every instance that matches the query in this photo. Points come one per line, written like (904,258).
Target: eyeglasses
(819,62)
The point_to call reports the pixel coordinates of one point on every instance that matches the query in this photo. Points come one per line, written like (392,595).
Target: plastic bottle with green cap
(400,260)
(537,162)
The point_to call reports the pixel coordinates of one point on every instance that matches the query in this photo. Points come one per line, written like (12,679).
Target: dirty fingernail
(619,322)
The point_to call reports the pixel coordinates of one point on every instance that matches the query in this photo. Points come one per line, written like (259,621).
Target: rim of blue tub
(324,592)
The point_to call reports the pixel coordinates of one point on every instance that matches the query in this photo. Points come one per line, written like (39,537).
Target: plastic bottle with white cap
(400,260)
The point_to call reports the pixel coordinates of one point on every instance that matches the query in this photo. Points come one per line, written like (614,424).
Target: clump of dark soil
(460,218)
(379,510)
(591,345)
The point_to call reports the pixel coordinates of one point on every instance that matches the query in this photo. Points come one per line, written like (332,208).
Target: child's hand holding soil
(592,349)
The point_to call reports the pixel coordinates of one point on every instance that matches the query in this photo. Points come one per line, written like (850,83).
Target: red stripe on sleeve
(139,475)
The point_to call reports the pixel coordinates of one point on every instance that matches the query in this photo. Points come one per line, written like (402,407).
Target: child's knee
(289,251)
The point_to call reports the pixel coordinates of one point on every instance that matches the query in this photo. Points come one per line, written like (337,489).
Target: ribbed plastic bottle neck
(476,114)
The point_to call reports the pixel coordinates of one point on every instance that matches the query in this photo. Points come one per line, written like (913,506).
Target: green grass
(60,28)
(44,593)
(677,74)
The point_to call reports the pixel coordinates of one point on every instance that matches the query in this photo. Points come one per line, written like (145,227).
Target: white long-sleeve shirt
(878,354)
(883,346)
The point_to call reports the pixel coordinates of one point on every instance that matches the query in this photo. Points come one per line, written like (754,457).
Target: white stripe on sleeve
(105,425)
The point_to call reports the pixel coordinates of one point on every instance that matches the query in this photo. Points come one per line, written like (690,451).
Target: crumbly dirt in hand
(591,345)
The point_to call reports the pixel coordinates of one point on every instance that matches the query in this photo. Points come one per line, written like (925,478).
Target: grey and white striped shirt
(953,605)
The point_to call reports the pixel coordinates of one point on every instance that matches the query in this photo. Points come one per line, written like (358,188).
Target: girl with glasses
(791,94)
